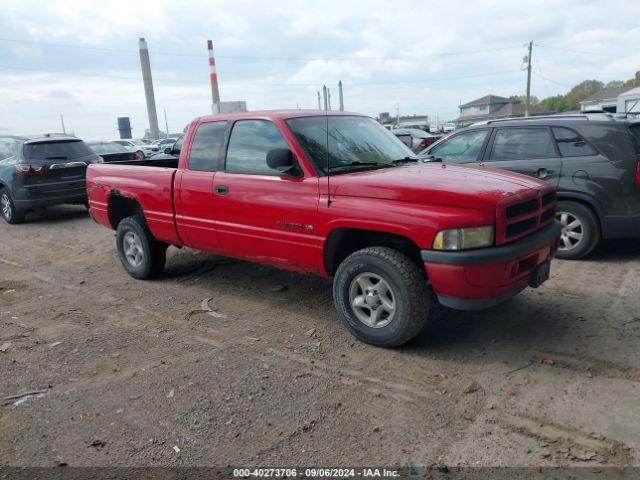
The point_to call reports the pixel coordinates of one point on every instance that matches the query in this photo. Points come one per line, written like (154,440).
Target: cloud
(419,57)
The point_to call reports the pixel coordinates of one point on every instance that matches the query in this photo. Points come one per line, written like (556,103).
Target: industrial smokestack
(319,107)
(215,93)
(324,94)
(341,100)
(148,88)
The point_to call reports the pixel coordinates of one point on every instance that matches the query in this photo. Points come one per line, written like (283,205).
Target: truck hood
(476,186)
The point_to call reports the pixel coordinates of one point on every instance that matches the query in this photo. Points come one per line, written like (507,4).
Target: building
(491,107)
(605,100)
(629,101)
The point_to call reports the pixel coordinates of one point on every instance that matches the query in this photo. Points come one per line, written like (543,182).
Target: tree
(634,82)
(581,91)
(523,98)
(614,84)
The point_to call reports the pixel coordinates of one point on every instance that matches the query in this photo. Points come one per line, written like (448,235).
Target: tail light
(26,168)
(425,142)
(638,172)
(136,156)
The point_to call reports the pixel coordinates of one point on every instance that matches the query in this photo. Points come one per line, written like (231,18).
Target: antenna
(326,117)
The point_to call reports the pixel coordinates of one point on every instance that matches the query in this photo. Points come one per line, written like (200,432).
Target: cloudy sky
(79,58)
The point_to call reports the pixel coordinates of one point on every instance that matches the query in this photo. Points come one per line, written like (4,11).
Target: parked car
(448,127)
(424,126)
(171,151)
(42,171)
(138,146)
(593,160)
(416,140)
(113,152)
(163,143)
(389,229)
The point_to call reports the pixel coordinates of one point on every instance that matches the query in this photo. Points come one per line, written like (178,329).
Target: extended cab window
(571,144)
(249,144)
(462,148)
(522,144)
(177,147)
(206,148)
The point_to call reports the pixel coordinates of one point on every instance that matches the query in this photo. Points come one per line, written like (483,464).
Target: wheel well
(585,204)
(342,242)
(121,207)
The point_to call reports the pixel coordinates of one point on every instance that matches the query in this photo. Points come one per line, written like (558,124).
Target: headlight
(463,238)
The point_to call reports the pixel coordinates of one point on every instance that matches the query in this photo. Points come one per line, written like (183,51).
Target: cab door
(527,150)
(196,206)
(262,214)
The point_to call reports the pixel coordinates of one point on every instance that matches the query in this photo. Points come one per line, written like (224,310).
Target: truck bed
(146,182)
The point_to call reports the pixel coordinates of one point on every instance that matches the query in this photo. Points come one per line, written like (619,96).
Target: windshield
(60,150)
(347,142)
(103,148)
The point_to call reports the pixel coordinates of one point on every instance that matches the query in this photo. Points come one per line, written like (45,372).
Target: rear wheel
(381,296)
(580,230)
(142,256)
(140,154)
(8,208)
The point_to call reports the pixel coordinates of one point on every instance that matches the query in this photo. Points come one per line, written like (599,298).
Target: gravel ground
(223,362)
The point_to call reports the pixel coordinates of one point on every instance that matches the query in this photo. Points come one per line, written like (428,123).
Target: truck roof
(276,114)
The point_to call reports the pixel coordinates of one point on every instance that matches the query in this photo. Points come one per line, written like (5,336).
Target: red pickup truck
(335,194)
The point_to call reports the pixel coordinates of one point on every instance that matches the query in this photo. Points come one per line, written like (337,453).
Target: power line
(537,74)
(266,58)
(424,81)
(583,52)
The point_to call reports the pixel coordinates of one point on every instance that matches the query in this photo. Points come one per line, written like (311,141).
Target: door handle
(222,189)
(543,173)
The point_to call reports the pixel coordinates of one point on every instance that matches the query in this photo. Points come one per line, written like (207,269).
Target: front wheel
(580,230)
(142,256)
(8,209)
(382,296)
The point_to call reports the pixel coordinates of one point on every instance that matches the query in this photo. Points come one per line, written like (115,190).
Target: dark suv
(40,172)
(592,159)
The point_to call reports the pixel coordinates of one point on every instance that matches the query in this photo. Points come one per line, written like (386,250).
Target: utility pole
(329,98)
(319,106)
(527,104)
(148,88)
(166,124)
(340,98)
(62,121)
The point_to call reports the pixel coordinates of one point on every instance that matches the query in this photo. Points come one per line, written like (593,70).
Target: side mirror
(168,150)
(282,160)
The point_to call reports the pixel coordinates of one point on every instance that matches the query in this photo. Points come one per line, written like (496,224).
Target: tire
(409,296)
(142,256)
(578,221)
(141,153)
(8,209)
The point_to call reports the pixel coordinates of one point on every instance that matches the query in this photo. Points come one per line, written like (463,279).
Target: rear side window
(206,148)
(65,150)
(571,144)
(249,144)
(522,144)
(8,148)
(635,135)
(462,148)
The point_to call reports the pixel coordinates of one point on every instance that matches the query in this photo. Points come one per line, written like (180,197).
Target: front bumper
(480,278)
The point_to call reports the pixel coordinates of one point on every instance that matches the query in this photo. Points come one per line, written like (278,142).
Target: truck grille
(524,215)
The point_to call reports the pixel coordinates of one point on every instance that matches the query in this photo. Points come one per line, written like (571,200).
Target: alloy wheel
(572,231)
(5,204)
(133,249)
(372,300)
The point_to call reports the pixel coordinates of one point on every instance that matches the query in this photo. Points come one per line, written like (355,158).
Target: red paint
(285,221)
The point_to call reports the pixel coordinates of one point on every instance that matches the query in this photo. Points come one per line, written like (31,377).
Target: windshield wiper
(358,163)
(405,160)
(57,158)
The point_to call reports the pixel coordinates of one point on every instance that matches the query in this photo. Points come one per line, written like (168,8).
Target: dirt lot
(135,373)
